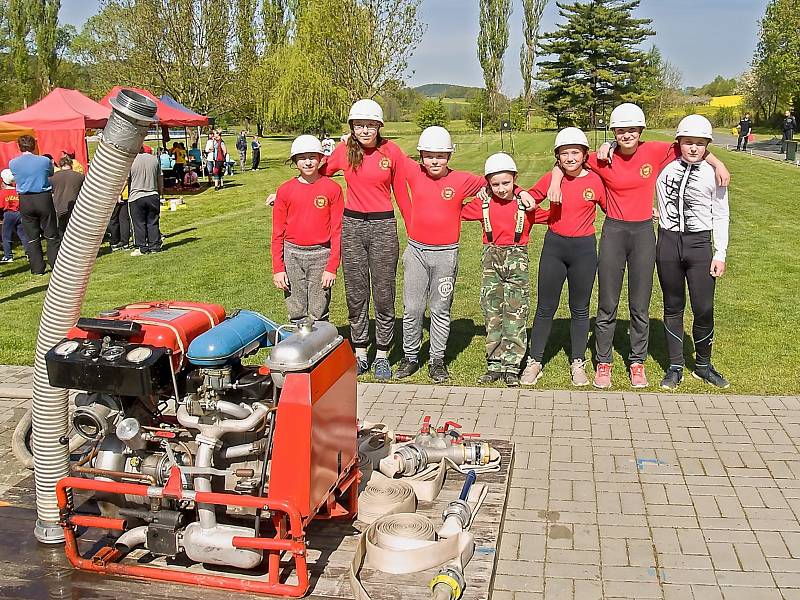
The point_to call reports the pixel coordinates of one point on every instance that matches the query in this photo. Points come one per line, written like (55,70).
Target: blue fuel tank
(240,335)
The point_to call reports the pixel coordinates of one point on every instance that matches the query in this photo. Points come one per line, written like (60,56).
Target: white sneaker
(577,372)
(532,373)
(137,252)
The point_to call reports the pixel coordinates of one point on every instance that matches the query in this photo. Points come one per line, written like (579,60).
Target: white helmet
(695,126)
(435,139)
(368,110)
(499,162)
(569,136)
(627,115)
(7,176)
(306,143)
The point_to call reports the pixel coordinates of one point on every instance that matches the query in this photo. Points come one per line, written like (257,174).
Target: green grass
(217,251)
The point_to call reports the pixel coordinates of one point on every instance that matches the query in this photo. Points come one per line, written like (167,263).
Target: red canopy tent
(60,121)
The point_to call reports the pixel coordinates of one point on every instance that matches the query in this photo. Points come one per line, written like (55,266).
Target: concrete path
(765,148)
(622,494)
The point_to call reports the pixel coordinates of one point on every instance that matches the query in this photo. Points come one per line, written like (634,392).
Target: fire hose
(122,139)
(409,542)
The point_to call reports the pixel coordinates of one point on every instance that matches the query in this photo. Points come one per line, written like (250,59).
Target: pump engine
(194,453)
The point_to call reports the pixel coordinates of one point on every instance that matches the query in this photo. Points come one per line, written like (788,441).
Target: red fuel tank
(171,324)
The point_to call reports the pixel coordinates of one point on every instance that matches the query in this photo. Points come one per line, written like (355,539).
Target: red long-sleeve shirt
(369,187)
(631,180)
(574,217)
(9,199)
(307,214)
(503,218)
(434,217)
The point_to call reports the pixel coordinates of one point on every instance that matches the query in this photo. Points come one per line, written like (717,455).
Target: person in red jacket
(569,253)
(306,233)
(12,222)
(370,247)
(430,260)
(628,239)
(505,284)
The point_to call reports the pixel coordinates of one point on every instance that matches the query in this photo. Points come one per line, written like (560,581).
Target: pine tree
(492,44)
(595,60)
(531,16)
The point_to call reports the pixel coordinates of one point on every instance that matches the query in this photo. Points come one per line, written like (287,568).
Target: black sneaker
(672,378)
(711,376)
(490,377)
(511,378)
(406,368)
(362,365)
(437,370)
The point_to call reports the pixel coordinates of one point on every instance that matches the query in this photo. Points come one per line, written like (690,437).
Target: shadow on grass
(22,294)
(175,244)
(178,232)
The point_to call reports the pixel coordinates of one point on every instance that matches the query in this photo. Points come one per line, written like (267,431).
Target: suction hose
(122,139)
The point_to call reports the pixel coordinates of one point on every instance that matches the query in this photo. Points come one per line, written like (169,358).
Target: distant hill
(435,90)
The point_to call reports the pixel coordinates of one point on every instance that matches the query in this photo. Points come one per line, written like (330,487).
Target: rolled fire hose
(123,135)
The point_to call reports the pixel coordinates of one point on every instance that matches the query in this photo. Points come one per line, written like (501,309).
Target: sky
(702,38)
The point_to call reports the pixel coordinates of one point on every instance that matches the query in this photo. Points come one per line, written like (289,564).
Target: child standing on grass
(569,253)
(692,212)
(430,261)
(12,222)
(505,284)
(306,234)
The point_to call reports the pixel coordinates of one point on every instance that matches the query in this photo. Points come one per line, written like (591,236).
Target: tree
(532,15)
(433,112)
(718,87)
(44,14)
(19,28)
(594,59)
(492,44)
(659,89)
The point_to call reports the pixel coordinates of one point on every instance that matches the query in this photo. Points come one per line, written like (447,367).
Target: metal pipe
(105,473)
(202,483)
(122,139)
(234,410)
(131,538)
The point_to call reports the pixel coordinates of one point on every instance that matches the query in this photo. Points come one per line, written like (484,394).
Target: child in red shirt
(505,284)
(569,253)
(12,222)
(306,234)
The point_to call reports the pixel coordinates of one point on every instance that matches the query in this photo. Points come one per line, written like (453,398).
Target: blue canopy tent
(171,102)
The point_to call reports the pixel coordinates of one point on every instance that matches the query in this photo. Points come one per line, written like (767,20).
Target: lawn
(217,251)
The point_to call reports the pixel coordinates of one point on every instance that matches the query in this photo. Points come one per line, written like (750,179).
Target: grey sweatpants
(370,251)
(429,276)
(304,267)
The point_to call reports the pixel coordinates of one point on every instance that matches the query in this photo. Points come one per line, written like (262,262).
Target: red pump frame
(287,539)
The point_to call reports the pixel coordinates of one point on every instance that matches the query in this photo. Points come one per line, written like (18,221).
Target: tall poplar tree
(44,15)
(595,60)
(492,44)
(19,27)
(531,17)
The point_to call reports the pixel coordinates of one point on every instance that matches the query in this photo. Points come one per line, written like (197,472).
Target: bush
(433,112)
(727,116)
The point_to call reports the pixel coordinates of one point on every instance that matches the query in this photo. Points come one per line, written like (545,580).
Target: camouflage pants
(505,301)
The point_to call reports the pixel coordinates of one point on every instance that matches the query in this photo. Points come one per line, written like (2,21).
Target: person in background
(32,174)
(255,146)
(208,154)
(179,152)
(12,222)
(146,188)
(76,165)
(745,127)
(195,157)
(190,179)
(327,144)
(120,224)
(67,185)
(789,127)
(241,148)
(220,153)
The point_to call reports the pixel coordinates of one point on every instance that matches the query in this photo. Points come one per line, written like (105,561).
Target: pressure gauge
(138,355)
(112,352)
(67,348)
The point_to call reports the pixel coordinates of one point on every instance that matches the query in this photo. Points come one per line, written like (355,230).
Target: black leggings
(573,259)
(631,244)
(681,259)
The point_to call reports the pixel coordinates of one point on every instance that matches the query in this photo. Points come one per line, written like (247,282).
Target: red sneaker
(602,376)
(638,376)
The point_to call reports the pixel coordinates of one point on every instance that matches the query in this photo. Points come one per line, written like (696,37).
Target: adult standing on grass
(745,127)
(692,210)
(628,240)
(67,184)
(255,146)
(370,247)
(220,153)
(569,254)
(32,174)
(789,127)
(144,202)
(241,147)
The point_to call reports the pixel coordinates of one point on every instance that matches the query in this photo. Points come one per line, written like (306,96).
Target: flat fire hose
(408,542)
